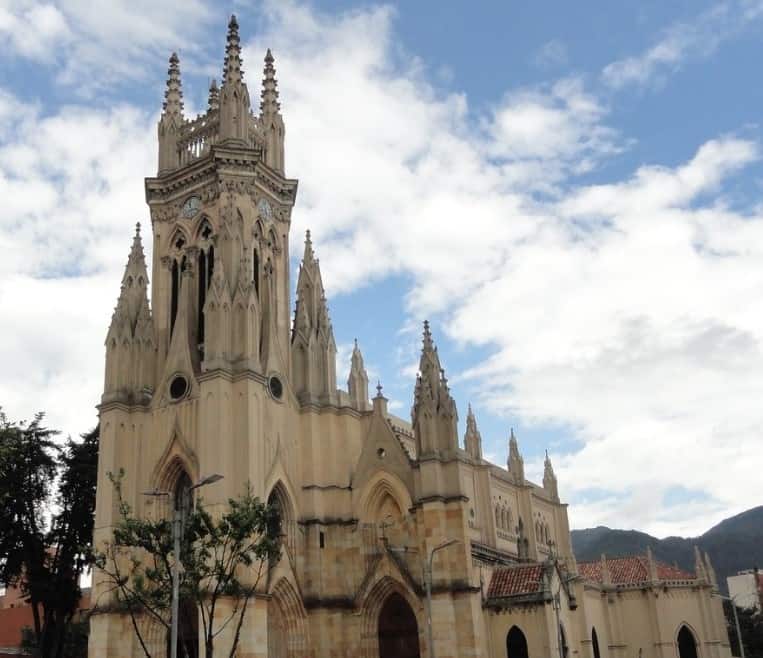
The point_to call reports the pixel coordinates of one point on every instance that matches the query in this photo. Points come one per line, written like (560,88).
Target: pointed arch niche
(383,509)
(280,499)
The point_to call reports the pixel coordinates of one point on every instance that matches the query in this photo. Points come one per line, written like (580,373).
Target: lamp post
(177,531)
(428,584)
(731,600)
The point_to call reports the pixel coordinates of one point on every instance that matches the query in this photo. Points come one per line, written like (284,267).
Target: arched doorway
(188,613)
(516,643)
(687,646)
(398,629)
(595,643)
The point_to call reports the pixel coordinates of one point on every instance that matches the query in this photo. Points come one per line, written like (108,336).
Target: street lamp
(730,599)
(428,583)
(177,519)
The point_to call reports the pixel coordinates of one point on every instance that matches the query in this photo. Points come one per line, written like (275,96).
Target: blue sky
(569,192)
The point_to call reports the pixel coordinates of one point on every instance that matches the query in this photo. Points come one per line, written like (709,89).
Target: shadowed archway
(516,643)
(398,629)
(687,645)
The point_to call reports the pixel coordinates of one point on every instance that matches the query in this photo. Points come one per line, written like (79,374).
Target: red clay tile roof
(632,570)
(516,580)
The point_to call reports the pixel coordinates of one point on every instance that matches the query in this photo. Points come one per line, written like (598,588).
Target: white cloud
(72,194)
(95,47)
(624,311)
(699,37)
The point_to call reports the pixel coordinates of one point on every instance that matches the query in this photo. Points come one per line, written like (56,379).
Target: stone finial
(710,571)
(434,414)
(699,566)
(379,401)
(472,438)
(516,464)
(232,71)
(309,255)
(357,382)
(214,96)
(549,478)
(269,104)
(173,95)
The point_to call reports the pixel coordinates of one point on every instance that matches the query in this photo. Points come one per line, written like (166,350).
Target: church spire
(134,290)
(549,478)
(214,97)
(232,71)
(234,96)
(312,341)
(434,412)
(130,339)
(516,464)
(173,95)
(472,438)
(171,119)
(357,382)
(269,104)
(271,121)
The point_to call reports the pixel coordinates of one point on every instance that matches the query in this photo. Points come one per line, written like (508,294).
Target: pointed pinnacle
(427,336)
(137,229)
(214,96)
(269,95)
(173,95)
(232,72)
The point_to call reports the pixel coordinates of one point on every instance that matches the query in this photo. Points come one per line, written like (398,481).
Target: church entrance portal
(687,647)
(398,629)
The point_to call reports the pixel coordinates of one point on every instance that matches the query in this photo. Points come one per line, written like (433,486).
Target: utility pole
(730,599)
(177,531)
(428,585)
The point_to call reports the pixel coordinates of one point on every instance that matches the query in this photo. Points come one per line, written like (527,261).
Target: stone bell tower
(221,209)
(199,380)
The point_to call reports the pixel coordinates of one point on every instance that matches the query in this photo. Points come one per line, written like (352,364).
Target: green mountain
(733,545)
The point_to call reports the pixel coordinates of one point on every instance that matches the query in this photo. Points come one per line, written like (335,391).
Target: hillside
(734,544)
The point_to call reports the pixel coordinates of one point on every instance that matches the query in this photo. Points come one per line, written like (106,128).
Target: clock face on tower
(191,206)
(264,209)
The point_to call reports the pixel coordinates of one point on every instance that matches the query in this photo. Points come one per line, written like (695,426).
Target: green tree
(222,558)
(47,500)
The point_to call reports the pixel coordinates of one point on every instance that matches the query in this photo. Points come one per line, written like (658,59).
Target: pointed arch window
(178,267)
(256,271)
(206,270)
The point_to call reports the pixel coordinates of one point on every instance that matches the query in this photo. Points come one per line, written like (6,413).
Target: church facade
(215,375)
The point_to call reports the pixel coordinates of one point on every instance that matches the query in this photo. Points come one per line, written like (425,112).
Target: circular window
(275,387)
(178,387)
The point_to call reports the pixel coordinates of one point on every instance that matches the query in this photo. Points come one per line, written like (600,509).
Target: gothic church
(214,376)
